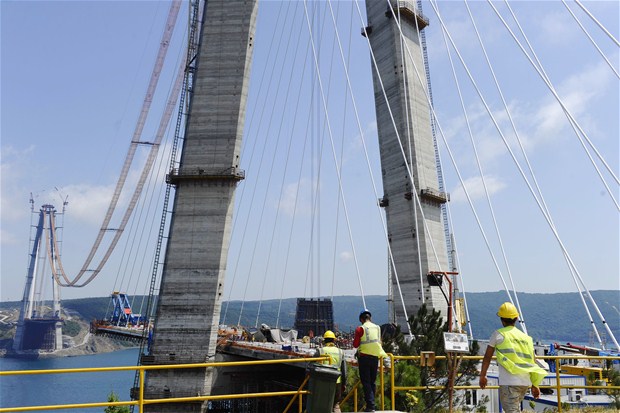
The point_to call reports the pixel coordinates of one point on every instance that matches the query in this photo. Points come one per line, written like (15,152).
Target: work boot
(337,408)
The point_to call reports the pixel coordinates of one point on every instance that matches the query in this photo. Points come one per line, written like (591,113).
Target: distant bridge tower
(40,327)
(190,297)
(413,255)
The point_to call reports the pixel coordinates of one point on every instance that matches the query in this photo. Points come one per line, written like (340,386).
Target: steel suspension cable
(479,165)
(576,127)
(327,119)
(611,66)
(315,193)
(361,131)
(598,23)
(252,152)
(572,269)
(574,124)
(269,176)
(315,221)
(163,49)
(410,159)
(344,122)
(492,117)
(278,138)
(534,195)
(457,264)
(194,19)
(460,177)
(290,235)
(171,104)
(398,138)
(410,174)
(524,153)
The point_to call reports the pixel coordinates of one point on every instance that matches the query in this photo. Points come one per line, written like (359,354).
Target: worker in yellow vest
(337,360)
(368,342)
(518,370)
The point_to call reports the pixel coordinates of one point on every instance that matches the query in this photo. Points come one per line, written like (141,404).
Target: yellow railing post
(392,391)
(288,406)
(141,395)
(557,384)
(355,398)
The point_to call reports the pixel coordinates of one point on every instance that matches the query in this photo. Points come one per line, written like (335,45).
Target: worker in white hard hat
(368,342)
(336,359)
(514,351)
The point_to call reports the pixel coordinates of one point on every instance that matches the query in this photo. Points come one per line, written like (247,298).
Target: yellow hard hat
(329,334)
(508,310)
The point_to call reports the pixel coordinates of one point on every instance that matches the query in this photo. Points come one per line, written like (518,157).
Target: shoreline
(87,344)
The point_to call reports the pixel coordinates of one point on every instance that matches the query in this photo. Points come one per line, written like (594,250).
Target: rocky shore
(83,343)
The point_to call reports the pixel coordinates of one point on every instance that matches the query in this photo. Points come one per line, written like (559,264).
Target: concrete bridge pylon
(190,297)
(39,328)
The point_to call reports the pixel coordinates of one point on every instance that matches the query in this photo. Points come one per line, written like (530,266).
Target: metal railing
(141,401)
(353,392)
(296,395)
(557,387)
(179,174)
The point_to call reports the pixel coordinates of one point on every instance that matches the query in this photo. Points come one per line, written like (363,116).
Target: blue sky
(73,76)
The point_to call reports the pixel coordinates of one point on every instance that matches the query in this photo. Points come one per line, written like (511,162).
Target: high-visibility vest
(336,357)
(516,354)
(370,342)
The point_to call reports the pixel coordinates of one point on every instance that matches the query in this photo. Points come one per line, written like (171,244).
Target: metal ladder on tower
(444,211)
(185,98)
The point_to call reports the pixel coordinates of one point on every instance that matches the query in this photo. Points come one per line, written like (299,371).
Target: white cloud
(88,203)
(558,28)
(346,256)
(297,201)
(475,188)
(537,122)
(577,93)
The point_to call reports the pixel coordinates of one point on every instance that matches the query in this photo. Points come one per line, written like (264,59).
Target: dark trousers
(368,375)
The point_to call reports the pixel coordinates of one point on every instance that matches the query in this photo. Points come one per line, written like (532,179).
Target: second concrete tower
(417,239)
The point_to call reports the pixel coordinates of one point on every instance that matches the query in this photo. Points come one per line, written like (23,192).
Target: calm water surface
(49,389)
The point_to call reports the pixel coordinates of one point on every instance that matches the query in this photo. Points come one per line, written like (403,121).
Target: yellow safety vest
(336,357)
(370,342)
(516,354)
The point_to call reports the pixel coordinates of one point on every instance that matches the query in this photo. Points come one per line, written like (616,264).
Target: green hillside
(559,316)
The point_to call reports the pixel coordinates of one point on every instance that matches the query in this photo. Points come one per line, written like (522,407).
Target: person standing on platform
(514,351)
(337,360)
(368,342)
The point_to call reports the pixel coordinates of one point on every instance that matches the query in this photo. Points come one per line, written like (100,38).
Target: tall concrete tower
(189,303)
(416,238)
(39,328)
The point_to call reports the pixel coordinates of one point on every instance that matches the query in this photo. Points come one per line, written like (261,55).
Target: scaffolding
(314,316)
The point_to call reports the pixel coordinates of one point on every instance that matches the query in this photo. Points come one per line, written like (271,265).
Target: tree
(613,376)
(113,397)
(427,328)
